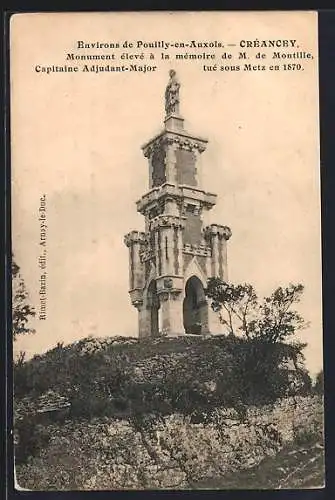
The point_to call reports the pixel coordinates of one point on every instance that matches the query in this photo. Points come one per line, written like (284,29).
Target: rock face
(172,452)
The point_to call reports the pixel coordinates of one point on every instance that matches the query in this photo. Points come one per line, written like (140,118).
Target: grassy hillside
(164,375)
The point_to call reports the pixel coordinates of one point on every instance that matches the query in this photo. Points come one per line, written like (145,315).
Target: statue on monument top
(172,94)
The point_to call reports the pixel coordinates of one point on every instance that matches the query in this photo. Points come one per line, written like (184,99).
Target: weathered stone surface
(173,453)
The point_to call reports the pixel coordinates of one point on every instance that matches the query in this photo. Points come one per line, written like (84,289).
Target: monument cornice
(177,192)
(181,138)
(200,250)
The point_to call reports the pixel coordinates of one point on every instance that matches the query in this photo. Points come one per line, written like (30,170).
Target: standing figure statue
(172,94)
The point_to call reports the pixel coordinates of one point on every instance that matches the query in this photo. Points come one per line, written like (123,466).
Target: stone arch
(153,306)
(195,307)
(194,269)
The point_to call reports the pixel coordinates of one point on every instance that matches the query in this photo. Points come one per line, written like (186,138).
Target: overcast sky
(77,138)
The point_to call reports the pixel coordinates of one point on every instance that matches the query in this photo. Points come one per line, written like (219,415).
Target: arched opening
(195,307)
(153,305)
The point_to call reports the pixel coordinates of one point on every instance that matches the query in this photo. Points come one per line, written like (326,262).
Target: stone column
(163,250)
(198,166)
(168,245)
(158,251)
(180,250)
(135,241)
(167,233)
(170,161)
(144,320)
(169,249)
(137,264)
(150,173)
(176,246)
(224,233)
(217,236)
(172,313)
(215,254)
(223,274)
(208,266)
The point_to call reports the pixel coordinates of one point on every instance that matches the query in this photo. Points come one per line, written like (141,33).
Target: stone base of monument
(174,122)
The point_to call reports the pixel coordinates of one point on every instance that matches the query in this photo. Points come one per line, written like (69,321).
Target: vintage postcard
(166,251)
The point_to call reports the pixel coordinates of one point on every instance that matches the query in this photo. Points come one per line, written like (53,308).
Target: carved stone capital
(134,237)
(138,305)
(166,295)
(175,294)
(136,297)
(167,221)
(222,232)
(156,144)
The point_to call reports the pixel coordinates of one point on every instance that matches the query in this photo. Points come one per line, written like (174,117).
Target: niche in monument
(186,167)
(158,165)
(193,227)
(195,308)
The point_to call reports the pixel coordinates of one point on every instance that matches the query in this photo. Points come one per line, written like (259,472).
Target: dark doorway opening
(195,307)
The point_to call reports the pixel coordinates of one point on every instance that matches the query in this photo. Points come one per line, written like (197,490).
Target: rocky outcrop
(171,452)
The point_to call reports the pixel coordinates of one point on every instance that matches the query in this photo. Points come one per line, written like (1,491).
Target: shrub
(318,387)
(109,377)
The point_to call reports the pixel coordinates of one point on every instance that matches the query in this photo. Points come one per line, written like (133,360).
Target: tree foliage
(271,362)
(318,386)
(22,311)
(242,312)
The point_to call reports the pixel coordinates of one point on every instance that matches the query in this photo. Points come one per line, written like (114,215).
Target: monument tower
(171,261)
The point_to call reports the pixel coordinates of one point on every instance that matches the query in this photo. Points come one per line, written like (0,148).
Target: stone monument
(171,261)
